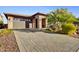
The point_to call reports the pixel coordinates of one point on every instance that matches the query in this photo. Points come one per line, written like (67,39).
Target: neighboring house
(16,21)
(1,25)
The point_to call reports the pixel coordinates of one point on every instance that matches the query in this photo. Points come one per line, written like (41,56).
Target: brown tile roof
(38,13)
(12,14)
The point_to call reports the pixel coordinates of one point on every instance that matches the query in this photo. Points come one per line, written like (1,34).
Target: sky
(29,10)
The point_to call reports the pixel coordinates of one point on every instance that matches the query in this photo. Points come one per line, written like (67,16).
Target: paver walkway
(39,41)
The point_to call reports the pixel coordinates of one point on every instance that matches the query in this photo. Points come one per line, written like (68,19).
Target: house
(1,22)
(17,21)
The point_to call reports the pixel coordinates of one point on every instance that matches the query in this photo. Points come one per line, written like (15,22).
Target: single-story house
(17,21)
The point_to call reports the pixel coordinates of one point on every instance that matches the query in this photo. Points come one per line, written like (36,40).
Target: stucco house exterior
(17,21)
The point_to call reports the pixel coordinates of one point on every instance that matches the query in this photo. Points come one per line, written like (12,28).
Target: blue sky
(28,10)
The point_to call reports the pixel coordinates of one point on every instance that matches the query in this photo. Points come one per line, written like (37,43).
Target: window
(28,20)
(16,19)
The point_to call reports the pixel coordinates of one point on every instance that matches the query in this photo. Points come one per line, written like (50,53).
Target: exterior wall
(18,24)
(40,17)
(30,25)
(40,23)
(46,22)
(33,23)
(37,17)
(14,24)
(10,22)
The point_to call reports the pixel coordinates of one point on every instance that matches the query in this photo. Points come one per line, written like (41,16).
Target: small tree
(60,17)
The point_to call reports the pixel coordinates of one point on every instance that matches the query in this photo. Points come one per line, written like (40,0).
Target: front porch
(36,23)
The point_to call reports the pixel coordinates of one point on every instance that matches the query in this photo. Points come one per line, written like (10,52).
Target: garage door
(19,25)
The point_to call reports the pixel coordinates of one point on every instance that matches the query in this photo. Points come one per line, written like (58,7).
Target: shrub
(56,27)
(69,29)
(48,30)
(1,22)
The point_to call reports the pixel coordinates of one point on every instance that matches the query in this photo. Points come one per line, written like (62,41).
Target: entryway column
(10,22)
(40,23)
(46,22)
(30,25)
(33,23)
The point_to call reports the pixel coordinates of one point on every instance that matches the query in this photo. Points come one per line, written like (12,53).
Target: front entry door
(36,23)
(43,23)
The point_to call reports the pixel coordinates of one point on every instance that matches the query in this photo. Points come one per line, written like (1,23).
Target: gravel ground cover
(8,43)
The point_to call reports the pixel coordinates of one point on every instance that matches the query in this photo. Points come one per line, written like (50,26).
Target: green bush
(1,22)
(69,29)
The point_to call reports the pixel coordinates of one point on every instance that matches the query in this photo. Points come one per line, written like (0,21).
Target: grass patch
(5,32)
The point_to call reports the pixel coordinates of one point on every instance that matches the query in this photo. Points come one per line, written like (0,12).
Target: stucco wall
(10,22)
(40,17)
(15,24)
(19,25)
(10,25)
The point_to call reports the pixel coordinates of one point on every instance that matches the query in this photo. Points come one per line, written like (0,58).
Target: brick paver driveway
(38,41)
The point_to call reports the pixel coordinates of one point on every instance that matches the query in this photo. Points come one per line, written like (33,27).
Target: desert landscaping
(57,31)
(8,41)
